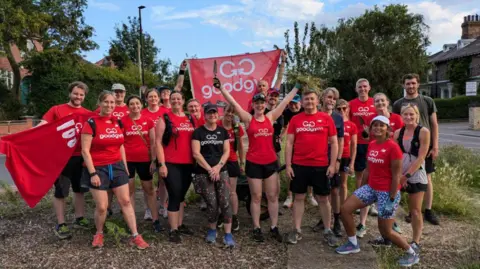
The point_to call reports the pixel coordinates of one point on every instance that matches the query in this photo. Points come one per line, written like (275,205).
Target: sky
(210,28)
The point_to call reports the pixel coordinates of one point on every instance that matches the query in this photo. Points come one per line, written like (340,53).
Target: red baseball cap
(273,91)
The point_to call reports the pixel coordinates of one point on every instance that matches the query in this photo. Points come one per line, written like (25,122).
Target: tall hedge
(456,107)
(53,70)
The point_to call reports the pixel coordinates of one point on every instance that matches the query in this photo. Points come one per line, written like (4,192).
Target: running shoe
(228,241)
(174,236)
(319,227)
(348,248)
(211,237)
(409,259)
(62,231)
(257,235)
(288,202)
(81,223)
(275,234)
(138,242)
(431,217)
(396,228)
(293,237)
(157,227)
(235,223)
(416,247)
(183,229)
(220,221)
(97,241)
(373,211)
(357,211)
(148,215)
(408,218)
(331,239)
(337,228)
(380,242)
(361,230)
(311,200)
(162,211)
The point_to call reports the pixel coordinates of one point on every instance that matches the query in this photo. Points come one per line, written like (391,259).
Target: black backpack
(414,145)
(167,134)
(93,125)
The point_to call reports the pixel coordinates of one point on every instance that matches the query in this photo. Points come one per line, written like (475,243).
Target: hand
(95,180)
(434,153)
(162,171)
(183,66)
(351,169)
(289,172)
(365,133)
(153,167)
(216,83)
(242,168)
(403,181)
(389,206)
(215,172)
(331,171)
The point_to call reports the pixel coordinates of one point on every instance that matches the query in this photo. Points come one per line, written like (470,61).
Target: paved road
(450,133)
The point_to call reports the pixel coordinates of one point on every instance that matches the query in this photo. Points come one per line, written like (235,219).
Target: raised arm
(244,116)
(281,70)
(181,76)
(278,111)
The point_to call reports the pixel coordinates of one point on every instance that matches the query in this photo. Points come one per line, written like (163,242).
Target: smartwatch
(407,175)
(339,160)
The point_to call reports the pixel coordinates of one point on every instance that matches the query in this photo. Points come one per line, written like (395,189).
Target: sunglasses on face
(342,108)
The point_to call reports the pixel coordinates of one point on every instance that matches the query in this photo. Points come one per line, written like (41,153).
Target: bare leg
(123,198)
(298,210)
(272,189)
(101,204)
(415,207)
(325,210)
(351,204)
(429,194)
(255,185)
(59,206)
(148,191)
(385,227)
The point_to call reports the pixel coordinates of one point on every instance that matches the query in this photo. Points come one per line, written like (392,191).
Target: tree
(124,48)
(55,23)
(458,74)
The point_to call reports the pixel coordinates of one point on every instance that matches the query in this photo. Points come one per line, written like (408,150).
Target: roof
(469,50)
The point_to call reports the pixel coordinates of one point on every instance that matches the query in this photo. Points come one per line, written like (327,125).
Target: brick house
(438,85)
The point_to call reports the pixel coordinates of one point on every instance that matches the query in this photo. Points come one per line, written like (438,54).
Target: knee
(416,213)
(334,192)
(256,198)
(149,190)
(101,208)
(322,199)
(272,196)
(299,197)
(125,202)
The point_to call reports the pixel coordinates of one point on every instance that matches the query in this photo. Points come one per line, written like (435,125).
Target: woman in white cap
(381,184)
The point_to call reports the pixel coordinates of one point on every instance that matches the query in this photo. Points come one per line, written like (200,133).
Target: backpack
(236,132)
(93,125)
(167,134)
(415,143)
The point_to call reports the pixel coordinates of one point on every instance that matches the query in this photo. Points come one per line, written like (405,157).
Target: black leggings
(179,178)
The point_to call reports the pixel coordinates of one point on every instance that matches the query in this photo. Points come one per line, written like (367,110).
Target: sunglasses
(342,108)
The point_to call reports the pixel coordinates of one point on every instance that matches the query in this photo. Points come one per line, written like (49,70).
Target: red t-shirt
(198,122)
(311,138)
(105,148)
(179,149)
(155,115)
(349,129)
(361,111)
(119,111)
(231,137)
(260,147)
(396,122)
(379,158)
(59,111)
(135,147)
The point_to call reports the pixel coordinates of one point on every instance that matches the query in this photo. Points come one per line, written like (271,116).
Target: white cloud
(164,13)
(104,5)
(173,26)
(262,44)
(293,9)
(224,24)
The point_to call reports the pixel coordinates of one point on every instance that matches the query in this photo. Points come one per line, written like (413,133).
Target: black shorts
(361,158)
(233,169)
(429,165)
(310,176)
(261,171)
(416,187)
(344,164)
(71,175)
(335,181)
(108,179)
(141,168)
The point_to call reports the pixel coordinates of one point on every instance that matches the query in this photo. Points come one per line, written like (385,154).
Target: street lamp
(141,43)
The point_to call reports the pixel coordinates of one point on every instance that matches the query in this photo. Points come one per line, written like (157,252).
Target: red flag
(36,157)
(239,75)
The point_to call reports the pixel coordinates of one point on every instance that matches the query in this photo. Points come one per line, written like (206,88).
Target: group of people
(327,139)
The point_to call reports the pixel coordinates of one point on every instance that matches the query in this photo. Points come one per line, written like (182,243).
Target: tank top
(260,146)
(420,176)
(179,149)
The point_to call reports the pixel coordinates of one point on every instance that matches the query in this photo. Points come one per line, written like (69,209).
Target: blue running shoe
(409,259)
(348,248)
(228,241)
(211,236)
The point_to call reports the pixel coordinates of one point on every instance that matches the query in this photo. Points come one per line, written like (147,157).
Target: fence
(15,126)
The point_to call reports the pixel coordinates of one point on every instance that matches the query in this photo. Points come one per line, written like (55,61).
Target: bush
(464,159)
(10,107)
(455,108)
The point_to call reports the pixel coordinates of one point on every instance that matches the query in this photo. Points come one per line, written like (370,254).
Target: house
(438,84)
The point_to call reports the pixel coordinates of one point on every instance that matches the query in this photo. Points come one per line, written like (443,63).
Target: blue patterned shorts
(369,196)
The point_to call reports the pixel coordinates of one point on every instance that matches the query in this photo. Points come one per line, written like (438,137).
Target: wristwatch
(407,175)
(93,174)
(221,163)
(339,160)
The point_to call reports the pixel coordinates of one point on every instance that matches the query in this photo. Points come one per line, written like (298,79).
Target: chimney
(471,27)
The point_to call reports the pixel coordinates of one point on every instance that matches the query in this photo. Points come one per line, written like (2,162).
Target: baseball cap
(118,86)
(273,91)
(162,88)
(210,107)
(381,119)
(296,99)
(259,96)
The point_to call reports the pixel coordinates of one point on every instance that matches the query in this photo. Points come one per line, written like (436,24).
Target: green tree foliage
(381,45)
(458,73)
(55,23)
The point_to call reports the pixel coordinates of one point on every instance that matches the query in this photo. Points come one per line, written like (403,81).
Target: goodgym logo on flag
(239,75)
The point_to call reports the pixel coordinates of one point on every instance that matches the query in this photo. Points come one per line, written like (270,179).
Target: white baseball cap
(118,86)
(381,119)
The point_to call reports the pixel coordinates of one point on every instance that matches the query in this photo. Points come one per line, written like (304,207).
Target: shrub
(455,108)
(463,158)
(10,107)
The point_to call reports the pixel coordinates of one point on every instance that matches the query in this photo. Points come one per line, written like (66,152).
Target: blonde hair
(342,102)
(326,91)
(381,94)
(415,109)
(360,81)
(103,95)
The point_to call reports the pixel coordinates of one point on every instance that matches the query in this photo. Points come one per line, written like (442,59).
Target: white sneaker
(312,200)
(288,202)
(148,215)
(373,210)
(163,212)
